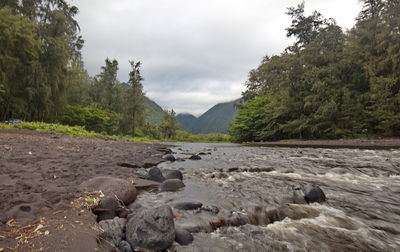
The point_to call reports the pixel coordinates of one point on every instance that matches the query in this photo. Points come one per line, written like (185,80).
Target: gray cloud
(194,53)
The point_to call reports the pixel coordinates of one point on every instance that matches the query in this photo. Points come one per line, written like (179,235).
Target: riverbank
(384,143)
(40,174)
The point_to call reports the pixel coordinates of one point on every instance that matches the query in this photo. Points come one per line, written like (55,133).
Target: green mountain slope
(186,121)
(215,120)
(154,112)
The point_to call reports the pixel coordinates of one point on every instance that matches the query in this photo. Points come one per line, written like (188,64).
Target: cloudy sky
(194,53)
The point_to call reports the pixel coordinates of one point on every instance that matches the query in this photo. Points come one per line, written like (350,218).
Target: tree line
(329,83)
(42,75)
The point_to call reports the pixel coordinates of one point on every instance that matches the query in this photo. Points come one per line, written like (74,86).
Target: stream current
(362,188)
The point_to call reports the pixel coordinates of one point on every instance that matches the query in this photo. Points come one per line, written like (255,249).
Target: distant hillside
(155,113)
(186,121)
(215,120)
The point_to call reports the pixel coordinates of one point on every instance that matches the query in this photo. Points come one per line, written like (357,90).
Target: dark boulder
(155,174)
(128,165)
(106,209)
(134,206)
(188,205)
(171,185)
(169,157)
(195,157)
(173,174)
(165,150)
(313,193)
(183,237)
(124,246)
(151,229)
(113,229)
(263,169)
(124,190)
(211,209)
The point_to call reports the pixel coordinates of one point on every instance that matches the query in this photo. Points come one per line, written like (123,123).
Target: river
(362,187)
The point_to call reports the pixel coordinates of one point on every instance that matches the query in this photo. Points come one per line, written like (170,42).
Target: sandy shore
(39,177)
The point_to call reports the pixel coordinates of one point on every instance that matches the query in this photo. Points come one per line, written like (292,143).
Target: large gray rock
(183,237)
(113,229)
(313,193)
(173,174)
(124,246)
(169,157)
(124,190)
(106,209)
(195,157)
(155,174)
(171,185)
(151,229)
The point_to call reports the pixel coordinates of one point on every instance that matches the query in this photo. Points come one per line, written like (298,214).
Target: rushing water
(362,187)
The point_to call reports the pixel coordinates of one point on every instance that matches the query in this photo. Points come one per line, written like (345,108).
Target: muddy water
(362,212)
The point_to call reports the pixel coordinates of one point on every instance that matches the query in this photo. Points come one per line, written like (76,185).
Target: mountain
(154,112)
(216,120)
(186,121)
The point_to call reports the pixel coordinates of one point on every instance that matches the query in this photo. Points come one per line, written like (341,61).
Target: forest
(43,78)
(330,83)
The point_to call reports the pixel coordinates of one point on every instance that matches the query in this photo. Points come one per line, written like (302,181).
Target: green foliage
(250,120)
(134,111)
(92,119)
(328,84)
(38,42)
(77,131)
(185,136)
(169,125)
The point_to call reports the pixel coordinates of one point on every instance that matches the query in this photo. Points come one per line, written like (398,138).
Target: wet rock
(211,209)
(124,246)
(171,185)
(113,229)
(183,237)
(173,174)
(134,206)
(124,190)
(155,174)
(195,157)
(152,161)
(297,197)
(169,157)
(233,169)
(151,229)
(127,165)
(313,193)
(202,154)
(106,209)
(188,205)
(237,221)
(165,150)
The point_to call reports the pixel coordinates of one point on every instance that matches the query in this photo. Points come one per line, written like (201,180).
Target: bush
(93,119)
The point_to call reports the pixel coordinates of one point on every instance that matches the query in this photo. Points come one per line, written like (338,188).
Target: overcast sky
(194,53)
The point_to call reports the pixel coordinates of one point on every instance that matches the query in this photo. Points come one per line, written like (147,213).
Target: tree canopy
(329,83)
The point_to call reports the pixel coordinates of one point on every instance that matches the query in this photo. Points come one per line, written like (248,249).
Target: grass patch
(79,131)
